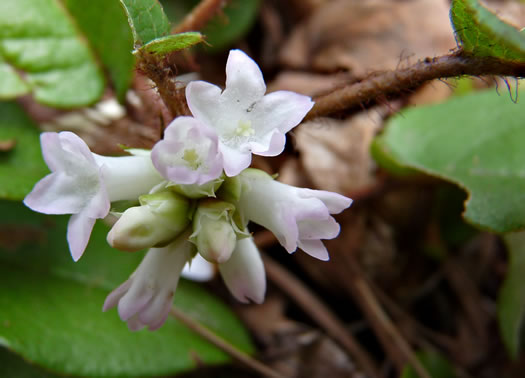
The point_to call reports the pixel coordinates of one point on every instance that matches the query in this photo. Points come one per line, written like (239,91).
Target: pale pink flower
(146,297)
(188,154)
(84,184)
(298,217)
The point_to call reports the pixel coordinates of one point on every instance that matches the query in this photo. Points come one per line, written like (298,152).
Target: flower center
(191,157)
(245,129)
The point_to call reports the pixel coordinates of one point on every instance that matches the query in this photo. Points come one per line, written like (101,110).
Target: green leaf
(51,307)
(146,19)
(236,19)
(511,301)
(105,24)
(482,33)
(171,43)
(12,84)
(22,166)
(476,141)
(38,38)
(436,365)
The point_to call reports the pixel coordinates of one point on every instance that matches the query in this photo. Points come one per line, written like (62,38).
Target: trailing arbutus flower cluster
(196,194)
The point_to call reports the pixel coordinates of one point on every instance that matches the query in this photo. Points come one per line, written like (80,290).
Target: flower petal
(314,248)
(79,230)
(281,110)
(203,100)
(114,297)
(157,308)
(244,79)
(235,161)
(57,193)
(335,202)
(244,273)
(318,229)
(59,149)
(134,301)
(270,145)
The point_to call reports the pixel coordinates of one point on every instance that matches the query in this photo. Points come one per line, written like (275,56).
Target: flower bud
(197,191)
(214,230)
(159,219)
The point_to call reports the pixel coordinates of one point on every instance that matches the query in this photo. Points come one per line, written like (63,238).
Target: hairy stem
(390,83)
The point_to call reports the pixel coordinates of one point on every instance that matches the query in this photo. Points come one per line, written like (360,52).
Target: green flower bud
(215,232)
(158,221)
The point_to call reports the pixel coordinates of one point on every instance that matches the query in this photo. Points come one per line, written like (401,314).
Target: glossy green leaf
(22,166)
(476,141)
(38,38)
(482,33)
(106,27)
(51,307)
(146,19)
(171,43)
(511,301)
(235,20)
(436,365)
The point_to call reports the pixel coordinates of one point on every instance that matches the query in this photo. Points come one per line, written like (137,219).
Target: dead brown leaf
(362,36)
(335,154)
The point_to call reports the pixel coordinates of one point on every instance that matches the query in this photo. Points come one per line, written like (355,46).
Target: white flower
(245,120)
(146,297)
(188,154)
(83,184)
(298,217)
(244,273)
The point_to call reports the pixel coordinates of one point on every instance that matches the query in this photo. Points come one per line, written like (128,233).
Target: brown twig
(391,83)
(394,343)
(318,311)
(219,342)
(199,16)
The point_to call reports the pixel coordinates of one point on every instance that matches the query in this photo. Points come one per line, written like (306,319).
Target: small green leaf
(21,166)
(171,43)
(482,33)
(511,301)
(105,24)
(52,307)
(436,365)
(38,38)
(146,19)
(476,141)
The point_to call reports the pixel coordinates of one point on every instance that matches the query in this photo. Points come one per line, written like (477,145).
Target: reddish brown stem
(390,83)
(199,16)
